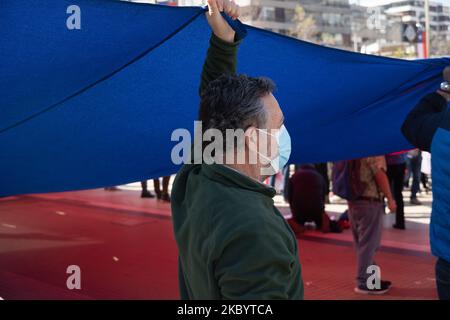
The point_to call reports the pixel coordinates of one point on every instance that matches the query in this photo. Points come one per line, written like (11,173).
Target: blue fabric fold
(95,107)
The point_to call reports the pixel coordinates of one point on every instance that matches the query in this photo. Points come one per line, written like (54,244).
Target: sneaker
(415,201)
(384,287)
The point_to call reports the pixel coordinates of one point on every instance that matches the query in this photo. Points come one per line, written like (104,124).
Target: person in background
(366,217)
(424,180)
(164,193)
(322,168)
(396,166)
(160,194)
(145,193)
(306,197)
(427,127)
(414,162)
(425,171)
(287,176)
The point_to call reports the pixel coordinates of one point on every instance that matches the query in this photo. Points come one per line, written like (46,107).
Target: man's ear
(251,138)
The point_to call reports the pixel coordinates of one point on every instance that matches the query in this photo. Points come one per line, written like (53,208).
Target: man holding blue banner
(233,242)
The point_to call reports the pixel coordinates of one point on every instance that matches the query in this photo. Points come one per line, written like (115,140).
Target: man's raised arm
(222,53)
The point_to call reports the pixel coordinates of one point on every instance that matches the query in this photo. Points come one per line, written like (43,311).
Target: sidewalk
(125,248)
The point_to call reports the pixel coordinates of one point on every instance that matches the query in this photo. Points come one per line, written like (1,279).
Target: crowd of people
(309,188)
(364,183)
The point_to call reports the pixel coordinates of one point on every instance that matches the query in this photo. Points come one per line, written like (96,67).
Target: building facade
(413,12)
(337,23)
(332,18)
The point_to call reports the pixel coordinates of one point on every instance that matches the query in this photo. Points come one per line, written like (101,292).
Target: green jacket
(233,242)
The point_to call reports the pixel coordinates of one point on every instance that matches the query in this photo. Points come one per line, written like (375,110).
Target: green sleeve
(255,266)
(221,58)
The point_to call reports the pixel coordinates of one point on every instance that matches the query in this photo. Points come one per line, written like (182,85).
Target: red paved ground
(126,250)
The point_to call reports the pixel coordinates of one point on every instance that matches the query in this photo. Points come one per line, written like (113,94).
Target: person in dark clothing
(427,127)
(287,176)
(424,180)
(396,166)
(162,194)
(306,196)
(414,163)
(322,168)
(145,193)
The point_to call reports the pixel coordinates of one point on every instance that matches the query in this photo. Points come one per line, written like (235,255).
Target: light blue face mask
(283,140)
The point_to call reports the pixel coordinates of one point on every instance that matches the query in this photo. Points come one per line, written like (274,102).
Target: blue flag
(91,91)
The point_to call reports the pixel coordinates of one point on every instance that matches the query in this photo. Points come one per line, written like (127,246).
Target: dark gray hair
(234,102)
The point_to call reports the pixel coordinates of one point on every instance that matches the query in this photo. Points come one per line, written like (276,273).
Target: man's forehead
(273,108)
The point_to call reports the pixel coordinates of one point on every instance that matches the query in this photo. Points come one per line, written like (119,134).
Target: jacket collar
(232,177)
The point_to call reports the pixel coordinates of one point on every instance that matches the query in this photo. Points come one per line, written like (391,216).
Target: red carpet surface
(125,248)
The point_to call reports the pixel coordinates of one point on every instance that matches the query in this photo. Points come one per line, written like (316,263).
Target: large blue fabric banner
(96,105)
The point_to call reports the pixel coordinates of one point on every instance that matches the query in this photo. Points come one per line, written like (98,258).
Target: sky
(378,2)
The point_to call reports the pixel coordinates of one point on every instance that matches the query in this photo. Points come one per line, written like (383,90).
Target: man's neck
(246,170)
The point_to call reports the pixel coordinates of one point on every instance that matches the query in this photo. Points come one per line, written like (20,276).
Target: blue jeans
(414,167)
(443,279)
